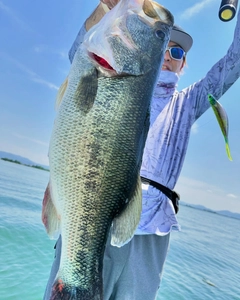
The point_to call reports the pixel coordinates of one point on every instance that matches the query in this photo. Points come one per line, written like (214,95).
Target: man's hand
(99,12)
(110,3)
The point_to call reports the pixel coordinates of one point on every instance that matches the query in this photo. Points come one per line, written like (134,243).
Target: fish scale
(97,144)
(88,169)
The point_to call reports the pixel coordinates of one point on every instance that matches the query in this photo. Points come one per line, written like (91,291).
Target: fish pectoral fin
(87,90)
(124,225)
(61,92)
(50,216)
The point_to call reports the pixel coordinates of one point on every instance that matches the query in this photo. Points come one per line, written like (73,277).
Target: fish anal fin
(86,90)
(61,93)
(50,217)
(124,225)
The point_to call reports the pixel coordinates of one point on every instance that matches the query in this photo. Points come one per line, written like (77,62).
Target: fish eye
(160,34)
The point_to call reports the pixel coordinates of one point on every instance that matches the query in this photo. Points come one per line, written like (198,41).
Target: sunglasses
(175,52)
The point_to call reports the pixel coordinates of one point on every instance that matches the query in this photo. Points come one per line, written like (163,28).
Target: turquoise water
(203,261)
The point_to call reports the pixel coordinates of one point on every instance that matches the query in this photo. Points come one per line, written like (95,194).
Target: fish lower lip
(101,61)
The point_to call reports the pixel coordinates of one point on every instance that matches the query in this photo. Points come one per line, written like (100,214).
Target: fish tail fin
(50,217)
(61,93)
(61,290)
(125,224)
(228,151)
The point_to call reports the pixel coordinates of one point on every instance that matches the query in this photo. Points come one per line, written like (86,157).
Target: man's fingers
(110,3)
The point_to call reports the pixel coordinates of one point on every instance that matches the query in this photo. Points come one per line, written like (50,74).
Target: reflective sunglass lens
(177,53)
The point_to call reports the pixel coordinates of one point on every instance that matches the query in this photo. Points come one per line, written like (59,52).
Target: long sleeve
(168,136)
(219,78)
(77,42)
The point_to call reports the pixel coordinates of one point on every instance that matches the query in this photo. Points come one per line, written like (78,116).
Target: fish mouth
(101,61)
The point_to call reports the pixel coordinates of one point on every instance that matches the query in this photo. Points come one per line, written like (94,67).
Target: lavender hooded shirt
(172,116)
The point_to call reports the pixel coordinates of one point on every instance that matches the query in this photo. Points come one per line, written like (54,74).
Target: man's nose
(167,55)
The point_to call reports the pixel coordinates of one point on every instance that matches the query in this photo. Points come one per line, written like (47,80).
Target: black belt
(172,195)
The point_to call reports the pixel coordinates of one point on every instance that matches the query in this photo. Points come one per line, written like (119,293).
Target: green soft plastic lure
(222,118)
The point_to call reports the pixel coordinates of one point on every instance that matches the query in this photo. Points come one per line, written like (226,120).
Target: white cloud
(196,9)
(203,193)
(4,7)
(231,196)
(44,82)
(194,128)
(63,54)
(31,140)
(33,76)
(9,12)
(38,49)
(46,49)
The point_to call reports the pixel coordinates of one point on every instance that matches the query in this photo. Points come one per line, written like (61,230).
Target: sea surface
(203,260)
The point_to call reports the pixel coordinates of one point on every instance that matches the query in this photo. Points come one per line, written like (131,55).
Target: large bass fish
(98,139)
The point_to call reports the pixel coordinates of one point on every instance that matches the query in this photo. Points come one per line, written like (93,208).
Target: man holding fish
(134,268)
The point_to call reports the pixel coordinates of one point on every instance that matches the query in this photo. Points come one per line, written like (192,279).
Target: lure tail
(228,151)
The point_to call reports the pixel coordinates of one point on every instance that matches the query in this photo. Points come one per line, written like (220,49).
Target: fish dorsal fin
(87,90)
(61,93)
(125,224)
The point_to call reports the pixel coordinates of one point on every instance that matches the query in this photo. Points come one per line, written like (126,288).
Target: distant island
(27,162)
(224,213)
(18,162)
(22,160)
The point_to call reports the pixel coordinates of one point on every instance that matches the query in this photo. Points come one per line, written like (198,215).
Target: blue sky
(35,39)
